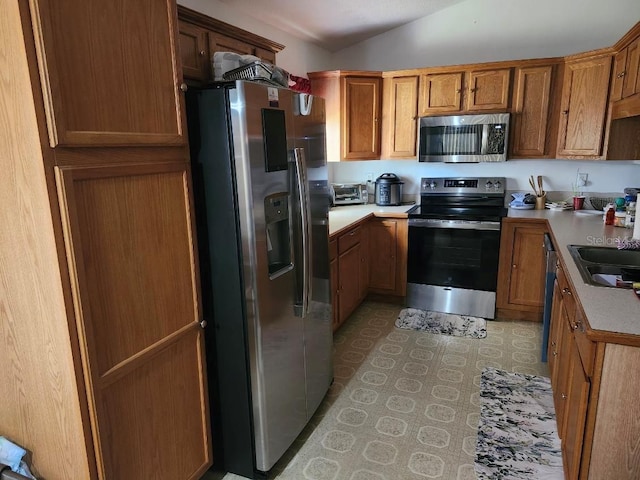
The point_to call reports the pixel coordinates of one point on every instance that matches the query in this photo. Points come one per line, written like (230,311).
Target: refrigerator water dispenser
(276,212)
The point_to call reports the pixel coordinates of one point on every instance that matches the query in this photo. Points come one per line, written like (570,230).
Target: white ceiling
(336,24)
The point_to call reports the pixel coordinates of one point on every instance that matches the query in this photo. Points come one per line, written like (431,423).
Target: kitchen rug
(517,431)
(442,323)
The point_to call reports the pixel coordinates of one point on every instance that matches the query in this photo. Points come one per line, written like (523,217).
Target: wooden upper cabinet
(193,51)
(631,82)
(352,109)
(530,113)
(583,107)
(361,114)
(399,117)
(440,93)
(465,91)
(120,61)
(619,72)
(488,90)
(201,36)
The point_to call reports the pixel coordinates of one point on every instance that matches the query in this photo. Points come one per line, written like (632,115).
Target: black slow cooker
(388,189)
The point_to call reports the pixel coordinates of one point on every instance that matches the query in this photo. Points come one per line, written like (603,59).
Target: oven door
(453,266)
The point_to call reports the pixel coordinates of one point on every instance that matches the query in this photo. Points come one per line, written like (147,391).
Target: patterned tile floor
(404,404)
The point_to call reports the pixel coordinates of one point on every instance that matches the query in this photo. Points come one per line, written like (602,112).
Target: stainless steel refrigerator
(261,203)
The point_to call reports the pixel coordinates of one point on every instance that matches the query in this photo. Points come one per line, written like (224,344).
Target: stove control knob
(433,185)
(488,184)
(497,185)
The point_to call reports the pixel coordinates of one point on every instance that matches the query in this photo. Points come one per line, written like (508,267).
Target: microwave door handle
(303,292)
(485,140)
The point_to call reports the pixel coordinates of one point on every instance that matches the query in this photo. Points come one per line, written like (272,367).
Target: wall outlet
(369,177)
(581,179)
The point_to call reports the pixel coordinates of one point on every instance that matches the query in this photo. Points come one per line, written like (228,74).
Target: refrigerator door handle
(302,309)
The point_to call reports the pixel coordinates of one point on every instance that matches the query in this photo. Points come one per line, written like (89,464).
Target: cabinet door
(400,117)
(129,244)
(583,107)
(575,414)
(563,359)
(335,298)
(349,275)
(521,270)
(222,43)
(440,93)
(489,90)
(194,50)
(555,334)
(364,262)
(383,237)
(531,111)
(114,79)
(360,112)
(619,72)
(630,84)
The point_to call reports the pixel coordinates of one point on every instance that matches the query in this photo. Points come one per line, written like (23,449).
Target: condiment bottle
(610,216)
(630,217)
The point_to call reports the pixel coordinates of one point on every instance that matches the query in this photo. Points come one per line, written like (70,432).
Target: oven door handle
(456,224)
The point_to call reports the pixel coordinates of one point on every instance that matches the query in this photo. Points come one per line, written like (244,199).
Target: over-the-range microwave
(464,138)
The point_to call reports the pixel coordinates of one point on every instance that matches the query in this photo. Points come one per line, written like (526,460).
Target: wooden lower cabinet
(349,272)
(521,270)
(596,386)
(388,264)
(370,257)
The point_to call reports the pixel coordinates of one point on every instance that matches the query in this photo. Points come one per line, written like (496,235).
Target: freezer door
(309,145)
(260,125)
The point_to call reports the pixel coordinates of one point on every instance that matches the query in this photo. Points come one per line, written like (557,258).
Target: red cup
(578,203)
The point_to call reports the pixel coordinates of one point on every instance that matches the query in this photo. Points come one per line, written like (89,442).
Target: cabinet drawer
(586,347)
(333,249)
(349,239)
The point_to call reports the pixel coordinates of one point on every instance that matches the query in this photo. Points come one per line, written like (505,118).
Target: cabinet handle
(203,324)
(566,291)
(459,90)
(565,112)
(555,354)
(514,266)
(351,234)
(621,74)
(202,53)
(553,344)
(564,396)
(184,87)
(576,325)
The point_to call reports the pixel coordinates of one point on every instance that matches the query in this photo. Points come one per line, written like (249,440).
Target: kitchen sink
(605,266)
(607,255)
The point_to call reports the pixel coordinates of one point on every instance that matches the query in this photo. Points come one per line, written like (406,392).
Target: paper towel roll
(636,229)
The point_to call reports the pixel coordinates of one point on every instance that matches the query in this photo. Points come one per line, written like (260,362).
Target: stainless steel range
(454,240)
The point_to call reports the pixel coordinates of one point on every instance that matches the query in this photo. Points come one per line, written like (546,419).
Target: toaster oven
(349,193)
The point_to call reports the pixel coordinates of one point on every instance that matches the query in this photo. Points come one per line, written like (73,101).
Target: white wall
(491,30)
(297,58)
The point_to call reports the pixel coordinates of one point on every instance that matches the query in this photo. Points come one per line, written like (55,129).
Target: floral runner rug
(517,431)
(442,323)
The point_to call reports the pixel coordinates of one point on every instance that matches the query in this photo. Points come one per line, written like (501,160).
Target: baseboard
(508,314)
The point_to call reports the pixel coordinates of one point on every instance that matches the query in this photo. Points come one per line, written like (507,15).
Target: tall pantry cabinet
(102,354)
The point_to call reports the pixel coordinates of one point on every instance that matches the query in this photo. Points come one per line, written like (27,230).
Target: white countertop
(342,217)
(607,309)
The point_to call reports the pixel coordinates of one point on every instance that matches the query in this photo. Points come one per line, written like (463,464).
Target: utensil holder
(578,203)
(540,202)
